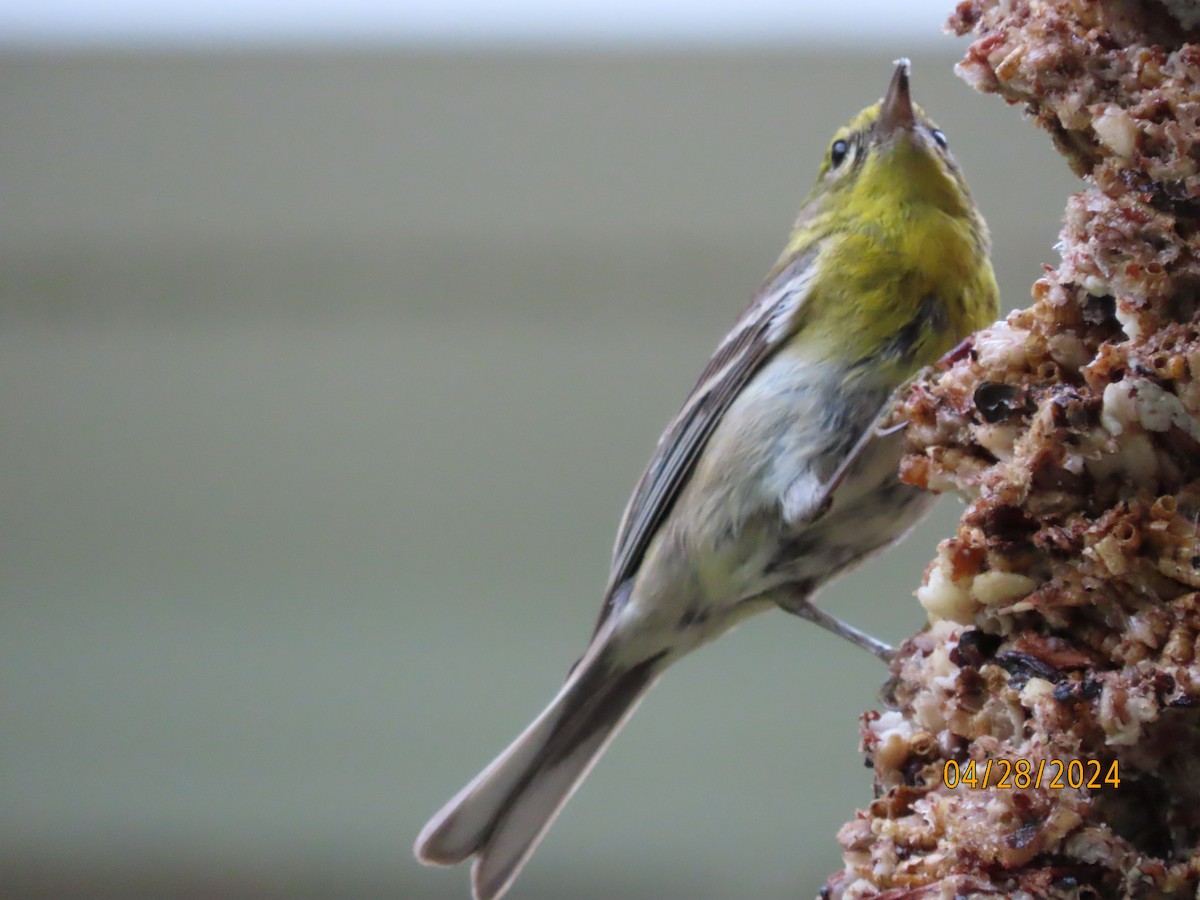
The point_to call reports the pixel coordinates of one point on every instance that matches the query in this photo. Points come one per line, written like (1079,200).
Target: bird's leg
(801,606)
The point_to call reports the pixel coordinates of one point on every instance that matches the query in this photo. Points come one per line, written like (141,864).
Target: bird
(779,471)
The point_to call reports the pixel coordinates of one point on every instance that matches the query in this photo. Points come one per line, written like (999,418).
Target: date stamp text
(1055,774)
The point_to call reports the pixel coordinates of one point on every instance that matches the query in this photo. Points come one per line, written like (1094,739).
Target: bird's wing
(763,328)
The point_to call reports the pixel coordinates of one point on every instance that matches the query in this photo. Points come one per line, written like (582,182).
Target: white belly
(727,540)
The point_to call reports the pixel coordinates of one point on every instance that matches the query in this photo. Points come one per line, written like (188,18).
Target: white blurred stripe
(470,21)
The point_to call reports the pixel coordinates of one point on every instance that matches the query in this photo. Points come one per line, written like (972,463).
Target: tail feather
(504,812)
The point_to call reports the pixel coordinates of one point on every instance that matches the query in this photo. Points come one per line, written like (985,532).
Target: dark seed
(1098,310)
(974,648)
(1023,666)
(995,401)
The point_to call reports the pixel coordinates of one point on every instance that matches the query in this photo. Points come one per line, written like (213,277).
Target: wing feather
(763,328)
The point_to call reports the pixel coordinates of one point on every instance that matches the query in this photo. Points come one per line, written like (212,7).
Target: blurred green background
(326,377)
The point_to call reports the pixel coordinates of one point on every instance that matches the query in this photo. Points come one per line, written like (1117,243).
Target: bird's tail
(502,814)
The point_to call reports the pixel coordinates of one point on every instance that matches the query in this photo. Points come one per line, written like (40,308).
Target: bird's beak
(897,110)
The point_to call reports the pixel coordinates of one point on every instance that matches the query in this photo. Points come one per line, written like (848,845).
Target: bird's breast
(797,418)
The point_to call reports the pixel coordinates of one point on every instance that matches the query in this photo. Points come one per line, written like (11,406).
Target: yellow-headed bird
(775,475)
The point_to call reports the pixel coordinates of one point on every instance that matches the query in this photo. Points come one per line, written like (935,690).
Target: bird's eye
(938,137)
(838,152)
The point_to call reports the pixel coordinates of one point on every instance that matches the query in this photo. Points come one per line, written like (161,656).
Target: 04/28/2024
(1054,774)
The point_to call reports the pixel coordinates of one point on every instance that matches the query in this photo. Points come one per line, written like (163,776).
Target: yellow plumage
(899,228)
